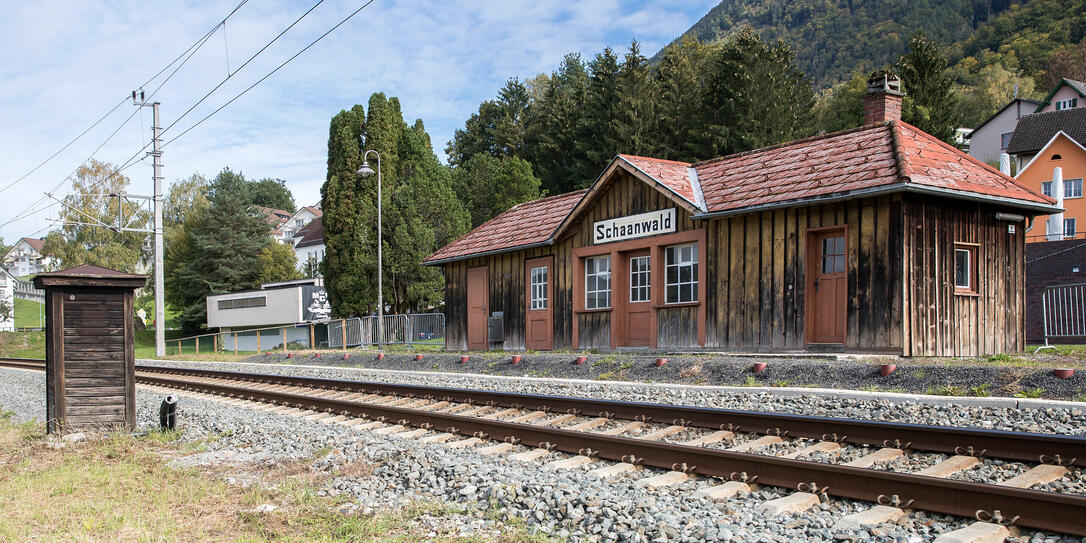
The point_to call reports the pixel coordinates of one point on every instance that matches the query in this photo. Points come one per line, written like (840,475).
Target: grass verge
(118,489)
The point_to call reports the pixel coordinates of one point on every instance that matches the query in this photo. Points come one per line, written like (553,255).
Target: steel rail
(1022,507)
(1030,508)
(1006,445)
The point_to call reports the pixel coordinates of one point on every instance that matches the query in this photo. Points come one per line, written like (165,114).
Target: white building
(7,293)
(278,304)
(991,138)
(297,221)
(26,258)
(309,243)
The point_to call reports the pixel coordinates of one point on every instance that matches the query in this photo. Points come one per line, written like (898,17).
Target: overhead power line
(195,45)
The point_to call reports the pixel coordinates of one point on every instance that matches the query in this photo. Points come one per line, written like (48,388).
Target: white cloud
(66,63)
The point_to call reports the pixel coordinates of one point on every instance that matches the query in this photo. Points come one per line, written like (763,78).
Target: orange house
(1070,156)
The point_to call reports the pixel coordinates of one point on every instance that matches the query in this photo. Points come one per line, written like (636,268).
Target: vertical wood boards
(761,276)
(941,322)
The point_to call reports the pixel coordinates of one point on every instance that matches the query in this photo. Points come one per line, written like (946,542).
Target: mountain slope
(833,38)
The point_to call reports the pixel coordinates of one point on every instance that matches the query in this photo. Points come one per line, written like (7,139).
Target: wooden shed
(89,347)
(876,239)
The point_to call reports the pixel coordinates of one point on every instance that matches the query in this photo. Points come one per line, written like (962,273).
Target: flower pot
(316,355)
(346,356)
(887,369)
(757,367)
(1063,373)
(464,359)
(581,360)
(290,355)
(660,362)
(516,359)
(418,358)
(380,356)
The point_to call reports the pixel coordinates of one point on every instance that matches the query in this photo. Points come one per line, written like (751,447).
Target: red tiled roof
(315,211)
(669,173)
(310,234)
(524,224)
(845,162)
(930,162)
(889,156)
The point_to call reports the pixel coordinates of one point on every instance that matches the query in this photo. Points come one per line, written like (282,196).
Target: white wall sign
(634,226)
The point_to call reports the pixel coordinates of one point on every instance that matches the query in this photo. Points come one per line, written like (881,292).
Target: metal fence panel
(344,333)
(427,328)
(1063,309)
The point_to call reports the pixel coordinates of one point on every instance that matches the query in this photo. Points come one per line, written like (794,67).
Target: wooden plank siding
(758,266)
(900,291)
(939,322)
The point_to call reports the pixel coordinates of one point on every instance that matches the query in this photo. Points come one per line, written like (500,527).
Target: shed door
(478,297)
(827,284)
(538,301)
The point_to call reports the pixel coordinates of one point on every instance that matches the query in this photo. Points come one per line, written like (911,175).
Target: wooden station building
(876,239)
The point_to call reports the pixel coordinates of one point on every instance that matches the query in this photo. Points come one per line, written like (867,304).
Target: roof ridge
(656,159)
(791,143)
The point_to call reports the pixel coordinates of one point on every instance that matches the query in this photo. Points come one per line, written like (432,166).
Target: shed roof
(880,158)
(1036,130)
(90,275)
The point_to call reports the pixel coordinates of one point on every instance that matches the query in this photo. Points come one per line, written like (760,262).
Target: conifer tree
(929,104)
(633,125)
(346,212)
(678,80)
(219,251)
(552,134)
(595,137)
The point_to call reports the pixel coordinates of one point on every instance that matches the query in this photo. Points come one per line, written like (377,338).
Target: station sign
(634,226)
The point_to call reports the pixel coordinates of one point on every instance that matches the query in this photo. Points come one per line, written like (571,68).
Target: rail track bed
(818,457)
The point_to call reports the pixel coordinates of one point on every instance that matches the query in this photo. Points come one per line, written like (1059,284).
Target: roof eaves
(1063,81)
(548,241)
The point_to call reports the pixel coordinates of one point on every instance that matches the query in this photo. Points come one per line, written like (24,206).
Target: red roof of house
(525,224)
(886,157)
(37,244)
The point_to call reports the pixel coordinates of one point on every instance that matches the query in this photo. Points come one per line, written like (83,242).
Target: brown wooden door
(827,284)
(478,298)
(538,302)
(638,304)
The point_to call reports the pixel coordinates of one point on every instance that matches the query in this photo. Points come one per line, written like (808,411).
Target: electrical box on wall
(495,327)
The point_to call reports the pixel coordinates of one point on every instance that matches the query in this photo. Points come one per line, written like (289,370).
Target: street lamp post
(366,171)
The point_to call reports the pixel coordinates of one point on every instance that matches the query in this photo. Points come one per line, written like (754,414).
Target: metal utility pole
(156,154)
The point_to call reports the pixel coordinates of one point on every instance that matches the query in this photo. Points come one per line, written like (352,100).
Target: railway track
(690,441)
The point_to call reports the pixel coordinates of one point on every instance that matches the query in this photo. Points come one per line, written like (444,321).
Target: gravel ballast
(566,503)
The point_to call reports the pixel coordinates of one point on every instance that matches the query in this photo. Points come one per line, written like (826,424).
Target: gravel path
(566,504)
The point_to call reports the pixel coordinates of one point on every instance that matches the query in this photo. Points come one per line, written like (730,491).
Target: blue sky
(67,63)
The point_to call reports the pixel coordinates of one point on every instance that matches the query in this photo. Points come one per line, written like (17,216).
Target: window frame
(646,273)
(1069,185)
(538,289)
(591,303)
(971,250)
(692,264)
(233,303)
(1005,140)
(1046,188)
(1074,227)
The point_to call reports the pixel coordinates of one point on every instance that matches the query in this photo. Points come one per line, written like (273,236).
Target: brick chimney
(882,101)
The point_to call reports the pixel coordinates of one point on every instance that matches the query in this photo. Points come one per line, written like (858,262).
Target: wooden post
(197,344)
(312,338)
(235,343)
(258,342)
(284,340)
(179,347)
(344,334)
(214,343)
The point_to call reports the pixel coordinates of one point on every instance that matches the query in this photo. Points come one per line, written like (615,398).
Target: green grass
(22,344)
(119,489)
(29,314)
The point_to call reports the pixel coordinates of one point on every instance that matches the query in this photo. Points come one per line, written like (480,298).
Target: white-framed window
(964,263)
(640,276)
(681,273)
(298,222)
(1072,188)
(243,303)
(1069,228)
(1046,188)
(597,282)
(1066,104)
(539,288)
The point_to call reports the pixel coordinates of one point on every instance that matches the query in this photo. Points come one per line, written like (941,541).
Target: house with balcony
(26,258)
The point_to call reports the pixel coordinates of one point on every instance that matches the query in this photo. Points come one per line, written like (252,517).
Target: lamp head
(365,170)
